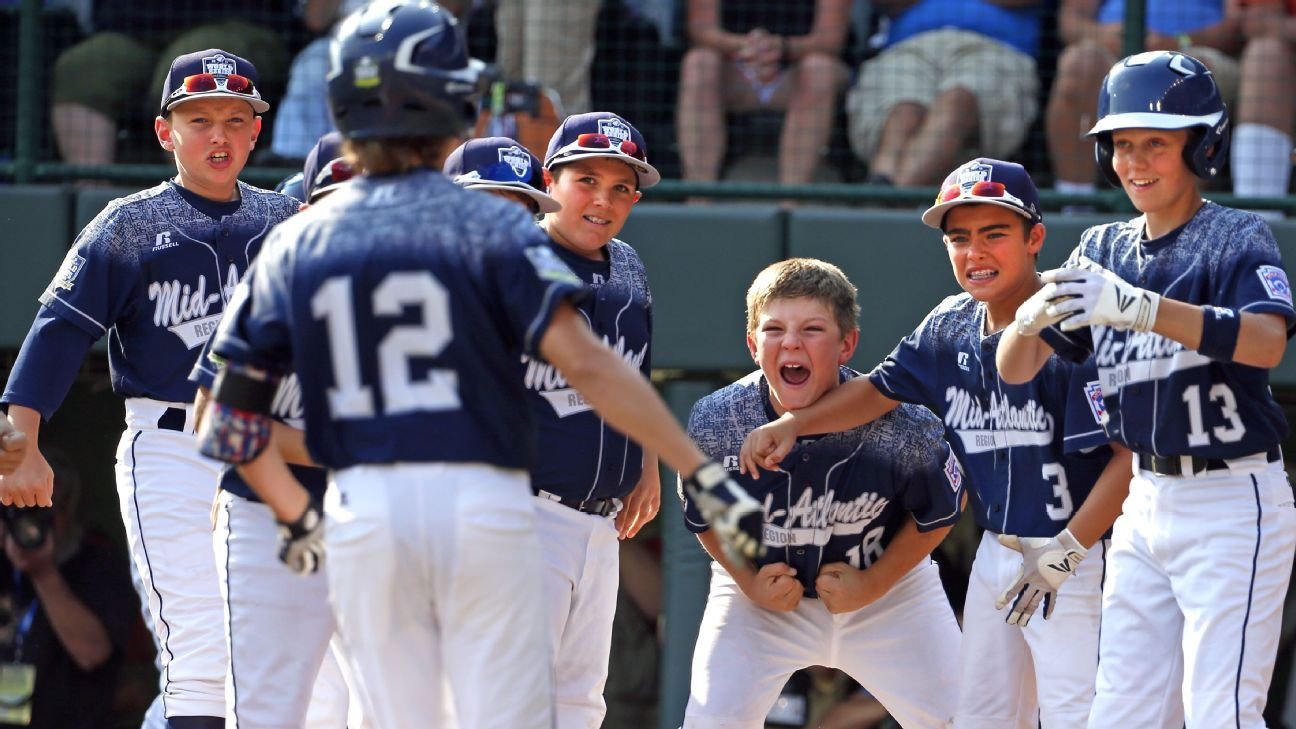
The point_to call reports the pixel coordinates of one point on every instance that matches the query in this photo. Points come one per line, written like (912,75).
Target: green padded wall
(35,221)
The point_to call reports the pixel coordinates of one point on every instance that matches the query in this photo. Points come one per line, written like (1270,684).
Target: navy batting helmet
(1163,90)
(400,68)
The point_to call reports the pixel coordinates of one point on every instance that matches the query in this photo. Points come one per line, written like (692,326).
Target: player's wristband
(1220,328)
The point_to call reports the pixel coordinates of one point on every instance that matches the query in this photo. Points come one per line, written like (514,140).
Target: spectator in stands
(68,610)
(748,55)
(549,42)
(1093,32)
(955,78)
(1266,110)
(303,115)
(114,75)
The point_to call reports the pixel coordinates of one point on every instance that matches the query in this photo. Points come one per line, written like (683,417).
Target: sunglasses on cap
(334,172)
(984,188)
(597,140)
(203,82)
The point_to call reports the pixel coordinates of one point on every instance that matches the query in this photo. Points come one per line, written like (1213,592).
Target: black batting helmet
(1163,90)
(400,68)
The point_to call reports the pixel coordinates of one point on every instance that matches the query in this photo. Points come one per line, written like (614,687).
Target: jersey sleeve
(1254,279)
(530,281)
(256,328)
(1086,413)
(95,283)
(47,363)
(908,374)
(932,477)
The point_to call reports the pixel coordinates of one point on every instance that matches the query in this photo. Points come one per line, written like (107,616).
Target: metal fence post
(30,73)
(1135,26)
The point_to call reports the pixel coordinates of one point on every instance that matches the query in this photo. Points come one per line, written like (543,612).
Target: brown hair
(398,156)
(808,277)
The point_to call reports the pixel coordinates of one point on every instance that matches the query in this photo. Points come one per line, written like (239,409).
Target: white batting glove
(1089,295)
(1046,563)
(301,543)
(1033,314)
(737,518)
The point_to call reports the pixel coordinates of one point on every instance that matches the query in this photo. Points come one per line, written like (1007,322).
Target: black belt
(597,507)
(1173,465)
(173,419)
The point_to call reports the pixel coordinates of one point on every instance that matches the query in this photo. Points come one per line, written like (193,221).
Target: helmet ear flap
(1206,151)
(1103,155)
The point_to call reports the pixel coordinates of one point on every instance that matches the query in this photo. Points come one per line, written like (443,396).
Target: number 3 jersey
(1030,451)
(403,304)
(1178,401)
(839,497)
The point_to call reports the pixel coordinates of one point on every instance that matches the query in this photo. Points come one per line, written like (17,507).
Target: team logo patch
(1094,394)
(219,65)
(1275,283)
(973,173)
(518,160)
(953,472)
(615,129)
(68,273)
(549,267)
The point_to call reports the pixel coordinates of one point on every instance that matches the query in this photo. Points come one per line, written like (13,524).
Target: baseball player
(1044,487)
(282,669)
(154,271)
(851,519)
(501,166)
(1184,308)
(402,303)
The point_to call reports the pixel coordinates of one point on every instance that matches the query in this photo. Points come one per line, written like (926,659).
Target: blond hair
(805,277)
(398,156)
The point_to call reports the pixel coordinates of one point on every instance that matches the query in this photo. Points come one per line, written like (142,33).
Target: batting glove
(1090,295)
(1033,314)
(301,543)
(1046,563)
(737,518)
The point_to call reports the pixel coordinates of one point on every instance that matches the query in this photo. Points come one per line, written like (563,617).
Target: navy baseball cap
(499,163)
(601,134)
(325,168)
(210,74)
(985,181)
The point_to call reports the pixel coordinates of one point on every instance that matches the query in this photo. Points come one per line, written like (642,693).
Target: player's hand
(767,446)
(842,588)
(640,507)
(1033,314)
(1090,295)
(1046,563)
(737,519)
(13,446)
(301,542)
(775,587)
(30,484)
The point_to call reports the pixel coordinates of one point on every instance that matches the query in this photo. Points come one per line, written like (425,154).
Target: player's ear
(848,344)
(548,178)
(751,347)
(162,128)
(1035,241)
(256,129)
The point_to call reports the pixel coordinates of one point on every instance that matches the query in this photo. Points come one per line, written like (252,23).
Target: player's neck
(214,191)
(1003,310)
(1159,222)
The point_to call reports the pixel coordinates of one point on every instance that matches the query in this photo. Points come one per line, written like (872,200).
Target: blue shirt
(1023,447)
(1017,28)
(402,304)
(578,455)
(1170,17)
(839,497)
(1163,398)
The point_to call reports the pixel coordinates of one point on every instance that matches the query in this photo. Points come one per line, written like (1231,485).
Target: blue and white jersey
(403,303)
(578,455)
(1030,451)
(286,408)
(155,274)
(839,497)
(1182,403)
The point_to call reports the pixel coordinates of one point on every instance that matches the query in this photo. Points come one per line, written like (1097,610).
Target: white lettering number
(350,397)
(1062,511)
(864,554)
(1219,393)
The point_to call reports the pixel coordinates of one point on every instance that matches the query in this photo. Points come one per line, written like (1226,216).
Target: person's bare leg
(814,85)
(895,138)
(84,136)
(1072,110)
(950,127)
(700,121)
(1262,140)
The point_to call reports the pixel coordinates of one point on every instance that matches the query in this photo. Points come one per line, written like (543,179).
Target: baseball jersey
(154,271)
(839,497)
(578,455)
(1030,451)
(1186,404)
(402,304)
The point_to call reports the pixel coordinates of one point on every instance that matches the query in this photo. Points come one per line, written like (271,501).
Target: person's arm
(269,476)
(290,441)
(1261,341)
(1103,504)
(13,446)
(846,406)
(31,483)
(318,15)
(827,35)
(773,587)
(1020,357)
(80,631)
(843,588)
(1077,21)
(705,31)
(643,503)
(1225,35)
